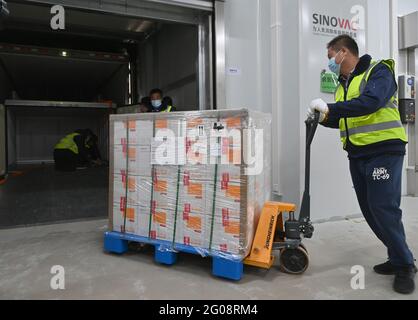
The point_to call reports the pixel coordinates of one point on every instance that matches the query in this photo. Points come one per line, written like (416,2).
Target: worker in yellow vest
(160,104)
(77,150)
(367,115)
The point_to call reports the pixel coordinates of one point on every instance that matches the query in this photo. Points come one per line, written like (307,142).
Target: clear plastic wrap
(190,179)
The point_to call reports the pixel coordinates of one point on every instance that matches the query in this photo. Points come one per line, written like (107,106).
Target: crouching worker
(77,150)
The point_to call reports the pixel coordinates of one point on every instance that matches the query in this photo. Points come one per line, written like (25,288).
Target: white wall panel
(248,51)
(293,72)
(407,6)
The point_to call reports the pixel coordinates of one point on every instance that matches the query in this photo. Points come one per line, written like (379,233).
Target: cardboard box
(137,219)
(162,224)
(192,231)
(197,151)
(168,151)
(136,160)
(137,189)
(164,188)
(207,212)
(120,134)
(170,128)
(139,132)
(227,235)
(204,173)
(229,192)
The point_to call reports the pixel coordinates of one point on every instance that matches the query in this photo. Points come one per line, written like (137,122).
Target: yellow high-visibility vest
(383,125)
(168,109)
(67,143)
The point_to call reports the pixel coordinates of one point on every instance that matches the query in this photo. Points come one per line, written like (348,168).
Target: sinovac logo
(380,174)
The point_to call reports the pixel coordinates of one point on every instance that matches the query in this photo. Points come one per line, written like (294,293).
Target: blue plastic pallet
(222,266)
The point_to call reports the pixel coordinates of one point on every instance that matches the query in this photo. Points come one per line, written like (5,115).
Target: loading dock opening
(105,55)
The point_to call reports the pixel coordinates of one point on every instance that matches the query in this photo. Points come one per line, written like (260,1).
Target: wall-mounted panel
(408,35)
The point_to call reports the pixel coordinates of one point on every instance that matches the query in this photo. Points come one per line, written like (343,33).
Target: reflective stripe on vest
(385,124)
(373,127)
(168,109)
(67,143)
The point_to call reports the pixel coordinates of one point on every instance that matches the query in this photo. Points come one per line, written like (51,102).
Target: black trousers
(378,183)
(65,160)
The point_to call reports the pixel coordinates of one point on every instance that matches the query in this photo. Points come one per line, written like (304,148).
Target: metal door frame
(408,41)
(412,169)
(208,15)
(3,136)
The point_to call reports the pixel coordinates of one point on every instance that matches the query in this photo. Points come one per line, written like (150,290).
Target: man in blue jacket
(366,113)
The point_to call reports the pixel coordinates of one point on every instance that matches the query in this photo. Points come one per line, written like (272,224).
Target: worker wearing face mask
(160,104)
(366,113)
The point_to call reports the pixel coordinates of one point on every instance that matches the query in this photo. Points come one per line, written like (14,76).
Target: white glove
(318,105)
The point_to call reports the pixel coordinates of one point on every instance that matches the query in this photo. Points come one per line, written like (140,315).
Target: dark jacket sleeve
(80,141)
(332,122)
(95,153)
(380,88)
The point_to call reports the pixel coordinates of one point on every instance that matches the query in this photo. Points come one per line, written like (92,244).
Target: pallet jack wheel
(294,261)
(303,247)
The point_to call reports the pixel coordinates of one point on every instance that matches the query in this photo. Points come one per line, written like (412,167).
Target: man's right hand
(321,106)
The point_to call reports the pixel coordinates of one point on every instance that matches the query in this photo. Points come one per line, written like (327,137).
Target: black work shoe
(388,269)
(404,280)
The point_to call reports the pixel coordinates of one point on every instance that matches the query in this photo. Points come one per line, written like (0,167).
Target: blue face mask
(334,66)
(156,104)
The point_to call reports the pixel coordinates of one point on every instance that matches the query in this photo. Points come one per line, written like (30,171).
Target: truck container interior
(53,82)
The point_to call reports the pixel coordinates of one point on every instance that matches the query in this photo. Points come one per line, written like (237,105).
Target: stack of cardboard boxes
(181,178)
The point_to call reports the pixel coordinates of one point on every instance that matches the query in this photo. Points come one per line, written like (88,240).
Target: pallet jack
(275,234)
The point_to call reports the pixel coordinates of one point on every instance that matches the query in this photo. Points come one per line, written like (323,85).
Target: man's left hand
(321,106)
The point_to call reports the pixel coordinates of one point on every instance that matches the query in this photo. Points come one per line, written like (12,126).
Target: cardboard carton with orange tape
(227,235)
(202,196)
(192,228)
(162,224)
(133,132)
(136,221)
(137,189)
(132,159)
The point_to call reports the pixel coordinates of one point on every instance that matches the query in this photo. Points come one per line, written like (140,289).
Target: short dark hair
(344,41)
(156,90)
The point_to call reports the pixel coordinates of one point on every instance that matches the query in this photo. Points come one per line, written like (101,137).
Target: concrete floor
(27,255)
(42,195)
